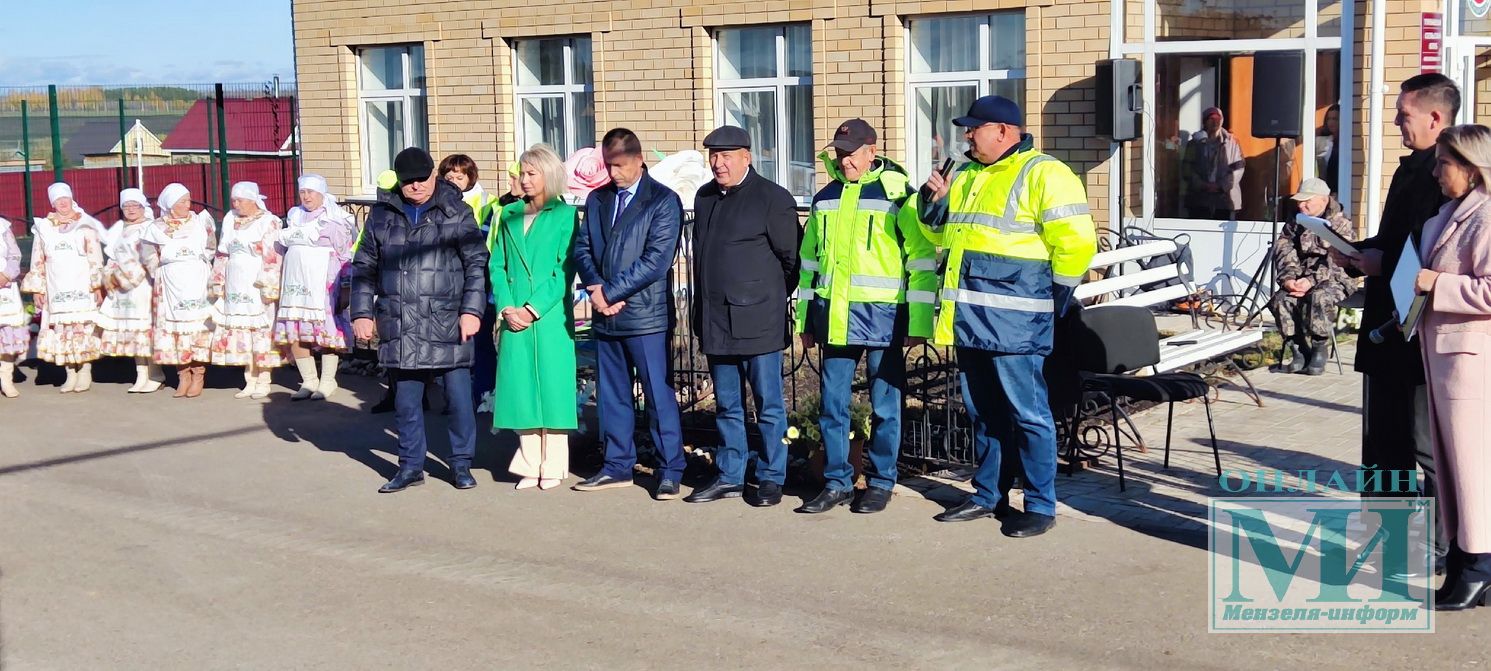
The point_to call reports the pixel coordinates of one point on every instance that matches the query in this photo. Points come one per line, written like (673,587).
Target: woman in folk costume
(532,273)
(178,252)
(67,262)
(246,285)
(127,312)
(317,244)
(15,332)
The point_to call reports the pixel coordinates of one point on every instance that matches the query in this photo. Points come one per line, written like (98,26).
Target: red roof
(255,126)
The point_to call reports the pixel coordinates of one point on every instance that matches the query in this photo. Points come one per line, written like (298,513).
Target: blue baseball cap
(991,109)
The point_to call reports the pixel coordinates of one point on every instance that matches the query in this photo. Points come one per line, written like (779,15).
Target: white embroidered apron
(12,312)
(242,304)
(127,310)
(303,295)
(184,277)
(70,298)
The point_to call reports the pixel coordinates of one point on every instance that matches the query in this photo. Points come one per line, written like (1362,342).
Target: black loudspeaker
(1120,100)
(1278,92)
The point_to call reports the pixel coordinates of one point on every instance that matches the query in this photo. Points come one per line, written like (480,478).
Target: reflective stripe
(831,204)
(922,264)
(1064,211)
(805,294)
(875,205)
(875,282)
(1067,280)
(1011,205)
(916,296)
(809,264)
(999,301)
(1005,222)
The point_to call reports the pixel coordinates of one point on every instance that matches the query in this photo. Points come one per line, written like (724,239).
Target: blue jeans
(764,372)
(409,415)
(615,359)
(886,368)
(1013,432)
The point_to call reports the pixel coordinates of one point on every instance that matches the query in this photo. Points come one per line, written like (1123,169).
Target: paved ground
(152,533)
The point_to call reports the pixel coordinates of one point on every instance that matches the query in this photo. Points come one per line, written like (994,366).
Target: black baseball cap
(852,135)
(413,165)
(991,109)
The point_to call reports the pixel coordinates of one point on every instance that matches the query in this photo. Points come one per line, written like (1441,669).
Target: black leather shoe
(768,494)
(1464,595)
(714,491)
(667,490)
(964,512)
(463,479)
(827,500)
(383,406)
(873,500)
(402,481)
(601,481)
(1026,525)
(1003,511)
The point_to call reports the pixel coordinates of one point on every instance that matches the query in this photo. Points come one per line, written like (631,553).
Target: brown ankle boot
(183,380)
(199,379)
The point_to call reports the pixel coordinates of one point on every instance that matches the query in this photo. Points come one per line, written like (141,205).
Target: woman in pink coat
(1455,333)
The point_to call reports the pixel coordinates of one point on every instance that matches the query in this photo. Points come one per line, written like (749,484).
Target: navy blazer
(633,260)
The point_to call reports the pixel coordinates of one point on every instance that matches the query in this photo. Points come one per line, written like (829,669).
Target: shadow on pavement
(128,449)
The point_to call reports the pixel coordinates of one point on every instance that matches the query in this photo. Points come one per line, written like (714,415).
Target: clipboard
(1407,301)
(1322,228)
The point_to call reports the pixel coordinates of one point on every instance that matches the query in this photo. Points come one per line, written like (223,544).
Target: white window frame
(776,84)
(562,91)
(406,95)
(980,78)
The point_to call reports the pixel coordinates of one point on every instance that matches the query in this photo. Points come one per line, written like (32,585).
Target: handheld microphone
(1377,336)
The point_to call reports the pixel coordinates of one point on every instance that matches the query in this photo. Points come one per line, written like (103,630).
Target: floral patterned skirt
(69,344)
(14,340)
(178,344)
(239,346)
(134,343)
(329,335)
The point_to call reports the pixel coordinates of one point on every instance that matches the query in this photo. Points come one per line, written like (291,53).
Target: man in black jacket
(624,251)
(1395,410)
(745,265)
(423,259)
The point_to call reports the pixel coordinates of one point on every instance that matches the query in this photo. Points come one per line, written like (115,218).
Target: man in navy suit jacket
(625,252)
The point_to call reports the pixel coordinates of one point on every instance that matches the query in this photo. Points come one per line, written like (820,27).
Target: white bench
(1123,285)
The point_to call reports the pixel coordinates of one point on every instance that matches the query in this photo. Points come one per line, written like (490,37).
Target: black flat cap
(728,137)
(413,165)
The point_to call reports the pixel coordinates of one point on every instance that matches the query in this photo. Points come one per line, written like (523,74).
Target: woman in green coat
(533,278)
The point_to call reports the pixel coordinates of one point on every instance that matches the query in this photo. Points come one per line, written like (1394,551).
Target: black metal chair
(1357,300)
(1111,341)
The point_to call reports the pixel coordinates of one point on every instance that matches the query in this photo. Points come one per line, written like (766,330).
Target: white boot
(8,378)
(328,385)
(155,378)
(85,378)
(71,383)
(261,385)
(308,382)
(142,375)
(249,379)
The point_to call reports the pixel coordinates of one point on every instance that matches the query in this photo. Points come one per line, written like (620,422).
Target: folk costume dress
(178,254)
(15,332)
(246,281)
(67,263)
(317,246)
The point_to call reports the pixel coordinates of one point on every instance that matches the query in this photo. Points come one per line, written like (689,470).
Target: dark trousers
(886,368)
(409,415)
(1395,433)
(484,366)
(1013,431)
(764,373)
(615,360)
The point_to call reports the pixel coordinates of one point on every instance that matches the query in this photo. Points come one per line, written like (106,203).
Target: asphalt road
(152,533)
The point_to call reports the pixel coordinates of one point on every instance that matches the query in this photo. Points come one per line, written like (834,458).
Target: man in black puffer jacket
(424,261)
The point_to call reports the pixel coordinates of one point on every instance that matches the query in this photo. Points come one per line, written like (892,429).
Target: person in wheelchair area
(1310,284)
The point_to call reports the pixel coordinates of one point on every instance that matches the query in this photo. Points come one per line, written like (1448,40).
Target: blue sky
(145,42)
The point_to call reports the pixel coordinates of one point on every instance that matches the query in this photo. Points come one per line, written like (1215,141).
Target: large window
(391,98)
(951,61)
(556,93)
(764,79)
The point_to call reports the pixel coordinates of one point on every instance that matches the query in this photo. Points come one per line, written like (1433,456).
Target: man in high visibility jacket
(1018,236)
(868,279)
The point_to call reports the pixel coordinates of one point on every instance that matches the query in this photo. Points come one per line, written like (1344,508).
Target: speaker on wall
(1120,100)
(1278,93)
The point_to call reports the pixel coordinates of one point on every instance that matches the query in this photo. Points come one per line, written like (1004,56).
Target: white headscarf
(249,191)
(59,191)
(169,196)
(317,183)
(136,196)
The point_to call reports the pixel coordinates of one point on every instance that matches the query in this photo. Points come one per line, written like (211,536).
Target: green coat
(536,366)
